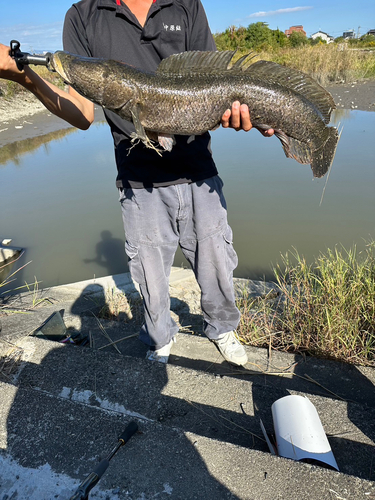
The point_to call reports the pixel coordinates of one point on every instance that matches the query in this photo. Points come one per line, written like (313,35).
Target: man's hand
(239,119)
(8,66)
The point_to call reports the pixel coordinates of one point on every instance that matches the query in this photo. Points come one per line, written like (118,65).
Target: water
(58,200)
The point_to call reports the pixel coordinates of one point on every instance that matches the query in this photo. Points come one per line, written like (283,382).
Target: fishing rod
(82,493)
(24,58)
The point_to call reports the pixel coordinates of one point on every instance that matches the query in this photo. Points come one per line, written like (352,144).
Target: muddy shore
(24,116)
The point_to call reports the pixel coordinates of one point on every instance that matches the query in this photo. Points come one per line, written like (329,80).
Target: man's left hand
(239,119)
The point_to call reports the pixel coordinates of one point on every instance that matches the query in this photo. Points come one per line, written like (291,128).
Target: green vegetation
(326,309)
(258,37)
(335,62)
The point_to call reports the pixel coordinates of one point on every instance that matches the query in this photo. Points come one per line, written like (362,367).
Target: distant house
(324,36)
(371,32)
(297,28)
(348,34)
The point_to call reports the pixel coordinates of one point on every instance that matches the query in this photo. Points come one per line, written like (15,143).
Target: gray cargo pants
(194,216)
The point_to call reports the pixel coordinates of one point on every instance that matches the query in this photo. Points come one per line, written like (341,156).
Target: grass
(325,309)
(119,307)
(8,299)
(327,63)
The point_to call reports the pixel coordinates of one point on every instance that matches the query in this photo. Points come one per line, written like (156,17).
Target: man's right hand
(70,106)
(8,66)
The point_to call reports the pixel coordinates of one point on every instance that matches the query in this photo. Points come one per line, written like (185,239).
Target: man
(169,200)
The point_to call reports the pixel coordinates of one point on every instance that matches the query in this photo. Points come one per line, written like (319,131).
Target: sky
(37,24)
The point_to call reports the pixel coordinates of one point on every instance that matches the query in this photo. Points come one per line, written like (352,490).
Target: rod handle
(130,430)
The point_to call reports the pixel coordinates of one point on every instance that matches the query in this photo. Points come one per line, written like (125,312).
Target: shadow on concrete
(72,405)
(337,382)
(77,400)
(60,422)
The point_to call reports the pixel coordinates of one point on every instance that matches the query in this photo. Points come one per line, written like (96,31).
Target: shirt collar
(113,4)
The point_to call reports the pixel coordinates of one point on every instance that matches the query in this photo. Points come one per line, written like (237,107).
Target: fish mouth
(58,66)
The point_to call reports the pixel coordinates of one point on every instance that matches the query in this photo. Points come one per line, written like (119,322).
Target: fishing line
(329,171)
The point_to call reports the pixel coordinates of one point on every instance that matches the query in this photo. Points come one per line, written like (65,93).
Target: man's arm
(70,106)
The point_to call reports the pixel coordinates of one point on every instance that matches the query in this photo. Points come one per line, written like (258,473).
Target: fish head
(61,62)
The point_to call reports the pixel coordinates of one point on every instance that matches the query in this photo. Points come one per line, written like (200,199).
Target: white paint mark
(42,483)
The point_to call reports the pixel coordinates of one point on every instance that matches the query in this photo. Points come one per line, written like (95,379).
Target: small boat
(8,256)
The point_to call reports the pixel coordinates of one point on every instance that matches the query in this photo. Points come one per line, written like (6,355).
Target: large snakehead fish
(189,92)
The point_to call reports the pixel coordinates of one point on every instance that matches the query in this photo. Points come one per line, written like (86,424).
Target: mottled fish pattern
(189,93)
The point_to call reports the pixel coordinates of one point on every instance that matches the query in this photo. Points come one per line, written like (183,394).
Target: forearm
(69,106)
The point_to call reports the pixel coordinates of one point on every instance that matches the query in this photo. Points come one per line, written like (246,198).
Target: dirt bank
(358,95)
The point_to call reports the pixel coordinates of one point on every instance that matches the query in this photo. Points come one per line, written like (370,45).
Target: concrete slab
(200,436)
(64,405)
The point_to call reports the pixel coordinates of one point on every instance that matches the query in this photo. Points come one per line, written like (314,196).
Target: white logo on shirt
(172,27)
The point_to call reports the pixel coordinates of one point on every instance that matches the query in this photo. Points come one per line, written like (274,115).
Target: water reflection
(16,150)
(62,205)
(339,115)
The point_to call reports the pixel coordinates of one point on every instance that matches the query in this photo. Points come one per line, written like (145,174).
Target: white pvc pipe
(299,431)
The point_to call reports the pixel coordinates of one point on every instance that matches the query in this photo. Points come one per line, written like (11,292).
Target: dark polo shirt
(108,29)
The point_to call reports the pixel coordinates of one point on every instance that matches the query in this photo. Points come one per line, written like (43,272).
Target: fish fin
(140,134)
(243,62)
(320,159)
(323,157)
(188,63)
(139,129)
(293,148)
(297,81)
(135,140)
(166,141)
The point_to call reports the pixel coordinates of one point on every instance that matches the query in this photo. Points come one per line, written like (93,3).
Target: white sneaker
(231,349)
(161,355)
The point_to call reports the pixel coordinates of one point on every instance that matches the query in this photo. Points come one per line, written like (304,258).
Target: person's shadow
(72,403)
(110,254)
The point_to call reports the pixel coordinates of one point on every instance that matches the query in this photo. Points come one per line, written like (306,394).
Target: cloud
(279,11)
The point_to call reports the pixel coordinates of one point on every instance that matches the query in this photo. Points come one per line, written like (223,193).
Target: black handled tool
(92,479)
(24,58)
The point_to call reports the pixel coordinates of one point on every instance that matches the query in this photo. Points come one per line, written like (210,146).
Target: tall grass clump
(327,63)
(326,308)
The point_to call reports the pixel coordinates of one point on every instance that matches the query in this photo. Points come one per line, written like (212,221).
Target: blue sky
(37,24)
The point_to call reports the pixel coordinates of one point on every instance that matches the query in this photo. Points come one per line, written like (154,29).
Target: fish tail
(322,158)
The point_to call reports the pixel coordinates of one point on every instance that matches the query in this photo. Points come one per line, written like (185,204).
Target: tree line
(258,36)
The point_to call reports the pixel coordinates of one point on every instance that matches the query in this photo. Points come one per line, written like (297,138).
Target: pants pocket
(134,262)
(232,259)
